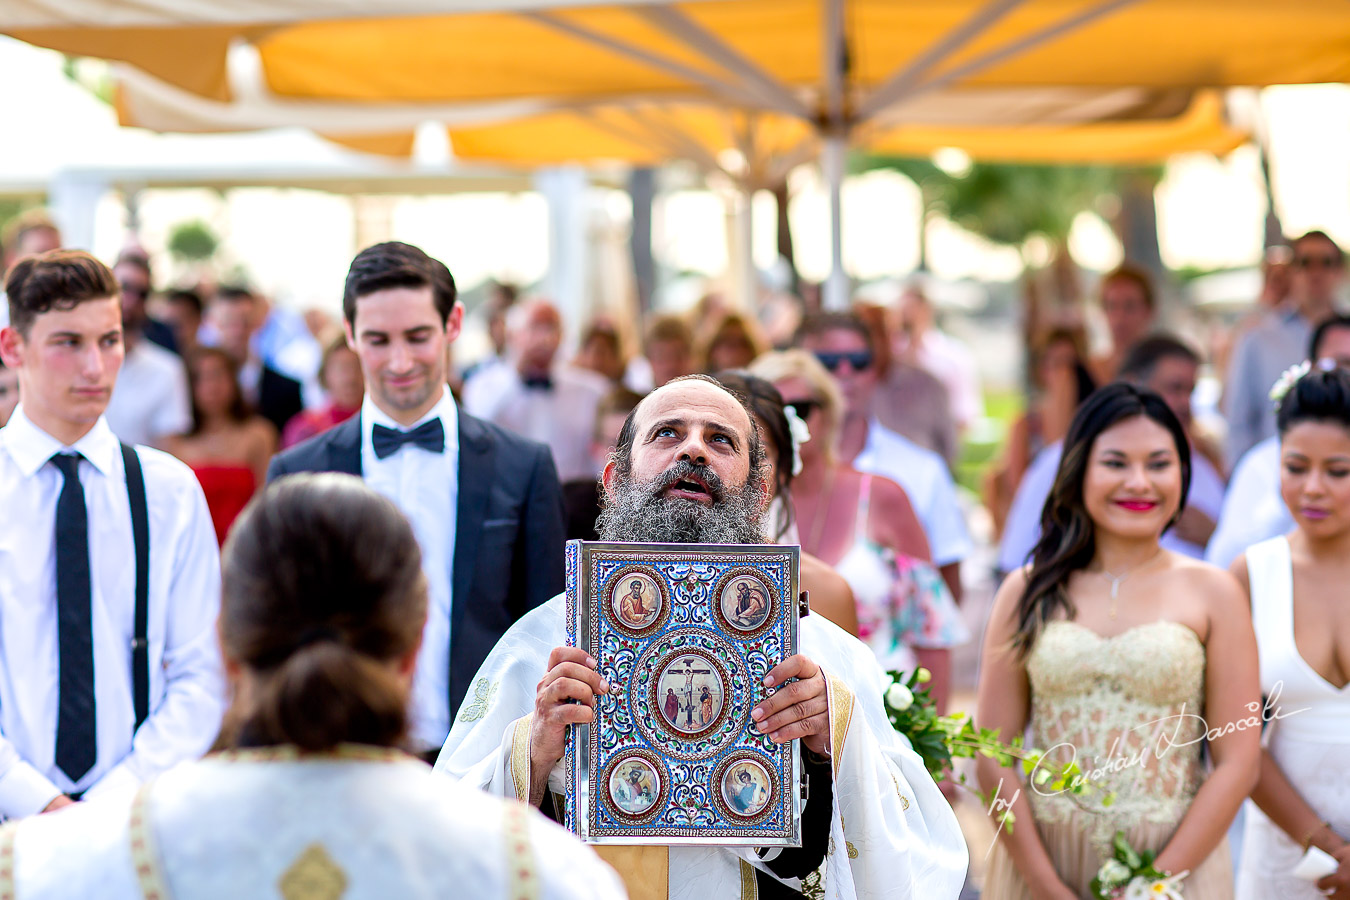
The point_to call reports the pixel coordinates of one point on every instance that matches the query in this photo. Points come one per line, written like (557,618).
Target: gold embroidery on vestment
(483,692)
(520,758)
(313,876)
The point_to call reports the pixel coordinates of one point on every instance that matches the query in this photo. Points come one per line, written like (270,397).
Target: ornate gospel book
(685,634)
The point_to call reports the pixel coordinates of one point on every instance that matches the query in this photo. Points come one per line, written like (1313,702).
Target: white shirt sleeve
(187,718)
(1253,510)
(174,414)
(946,525)
(24,791)
(1023,528)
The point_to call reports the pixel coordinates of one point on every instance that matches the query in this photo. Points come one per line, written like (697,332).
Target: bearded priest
(689,468)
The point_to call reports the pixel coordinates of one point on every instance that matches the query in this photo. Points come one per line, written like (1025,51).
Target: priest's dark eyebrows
(681,422)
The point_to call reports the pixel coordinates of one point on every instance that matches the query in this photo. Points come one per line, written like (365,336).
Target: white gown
(892,833)
(359,824)
(1311,743)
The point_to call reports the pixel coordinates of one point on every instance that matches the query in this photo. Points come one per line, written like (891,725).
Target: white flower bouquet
(1131,875)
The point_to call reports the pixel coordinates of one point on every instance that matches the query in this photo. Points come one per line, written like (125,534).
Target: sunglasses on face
(803,408)
(1318,262)
(133,290)
(857,360)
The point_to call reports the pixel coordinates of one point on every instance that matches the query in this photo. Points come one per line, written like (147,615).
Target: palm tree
(1012,205)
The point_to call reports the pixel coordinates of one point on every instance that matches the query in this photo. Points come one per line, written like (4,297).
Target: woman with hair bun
(1123,657)
(308,793)
(1296,584)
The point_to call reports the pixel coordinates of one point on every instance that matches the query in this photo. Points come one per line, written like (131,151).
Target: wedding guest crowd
(148,432)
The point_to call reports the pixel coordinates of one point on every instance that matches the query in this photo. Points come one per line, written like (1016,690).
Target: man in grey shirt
(1278,342)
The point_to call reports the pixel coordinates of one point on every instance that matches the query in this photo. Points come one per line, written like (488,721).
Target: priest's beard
(639,512)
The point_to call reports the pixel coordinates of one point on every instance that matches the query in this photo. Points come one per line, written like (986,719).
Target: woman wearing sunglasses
(865,527)
(830,594)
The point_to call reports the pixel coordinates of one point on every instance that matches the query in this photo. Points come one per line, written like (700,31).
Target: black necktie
(429,436)
(537,382)
(76,744)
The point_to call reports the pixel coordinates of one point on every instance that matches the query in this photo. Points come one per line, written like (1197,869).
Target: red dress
(310,422)
(228,488)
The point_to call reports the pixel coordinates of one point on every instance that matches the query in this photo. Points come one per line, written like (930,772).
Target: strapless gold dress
(1130,706)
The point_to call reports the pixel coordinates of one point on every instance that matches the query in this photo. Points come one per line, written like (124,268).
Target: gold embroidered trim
(840,699)
(522,879)
(749,887)
(291,753)
(899,793)
(313,876)
(7,837)
(144,853)
(520,757)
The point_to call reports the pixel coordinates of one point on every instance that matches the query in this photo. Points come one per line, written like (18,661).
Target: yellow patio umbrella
(837,67)
(1071,125)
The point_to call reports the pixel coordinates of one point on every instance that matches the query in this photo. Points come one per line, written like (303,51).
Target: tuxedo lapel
(475,488)
(344,448)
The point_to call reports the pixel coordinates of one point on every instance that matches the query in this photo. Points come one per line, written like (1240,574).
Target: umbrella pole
(836,290)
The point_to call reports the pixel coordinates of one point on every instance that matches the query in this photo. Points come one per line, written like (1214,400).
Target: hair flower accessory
(800,435)
(1285,383)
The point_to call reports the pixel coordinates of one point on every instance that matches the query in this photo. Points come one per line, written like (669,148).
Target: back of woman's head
(766,406)
(323,595)
(1068,534)
(1321,394)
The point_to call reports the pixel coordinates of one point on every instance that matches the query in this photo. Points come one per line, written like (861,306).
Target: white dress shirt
(1023,528)
(561,416)
(925,477)
(1253,510)
(150,399)
(425,486)
(186,685)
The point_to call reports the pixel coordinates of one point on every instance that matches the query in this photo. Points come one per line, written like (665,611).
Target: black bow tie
(537,382)
(429,436)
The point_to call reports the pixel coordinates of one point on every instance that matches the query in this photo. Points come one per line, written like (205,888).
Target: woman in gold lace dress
(1120,655)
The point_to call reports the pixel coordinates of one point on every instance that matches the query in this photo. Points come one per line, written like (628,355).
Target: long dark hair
(322,589)
(766,404)
(238,410)
(1068,536)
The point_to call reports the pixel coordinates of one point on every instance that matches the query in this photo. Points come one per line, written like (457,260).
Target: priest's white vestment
(892,834)
(361,823)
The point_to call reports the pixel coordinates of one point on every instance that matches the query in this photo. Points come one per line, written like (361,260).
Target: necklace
(1117,579)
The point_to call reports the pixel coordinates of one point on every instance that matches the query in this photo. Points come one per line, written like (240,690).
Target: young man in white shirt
(102,684)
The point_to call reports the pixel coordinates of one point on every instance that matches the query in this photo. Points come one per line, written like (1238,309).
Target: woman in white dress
(1297,588)
(308,795)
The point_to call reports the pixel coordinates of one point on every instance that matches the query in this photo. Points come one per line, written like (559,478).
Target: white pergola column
(566,281)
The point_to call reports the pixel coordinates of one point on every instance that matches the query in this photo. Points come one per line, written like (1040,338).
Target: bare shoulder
(1217,590)
(1238,569)
(830,594)
(1003,615)
(888,495)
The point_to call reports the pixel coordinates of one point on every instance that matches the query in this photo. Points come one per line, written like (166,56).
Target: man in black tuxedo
(484,503)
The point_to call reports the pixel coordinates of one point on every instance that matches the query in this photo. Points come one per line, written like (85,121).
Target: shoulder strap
(140,530)
(864,507)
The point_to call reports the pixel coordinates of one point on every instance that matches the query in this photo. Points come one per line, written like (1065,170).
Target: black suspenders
(140,531)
